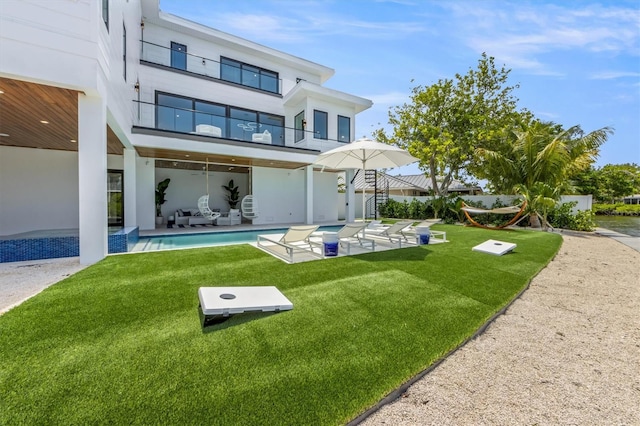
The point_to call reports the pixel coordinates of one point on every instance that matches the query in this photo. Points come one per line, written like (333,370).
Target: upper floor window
(105,13)
(248,75)
(344,129)
(320,123)
(178,56)
(299,124)
(184,115)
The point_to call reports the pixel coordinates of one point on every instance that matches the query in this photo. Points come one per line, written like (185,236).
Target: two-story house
(102,99)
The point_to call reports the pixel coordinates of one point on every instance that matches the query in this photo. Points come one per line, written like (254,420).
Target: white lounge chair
(393,233)
(296,239)
(440,236)
(351,233)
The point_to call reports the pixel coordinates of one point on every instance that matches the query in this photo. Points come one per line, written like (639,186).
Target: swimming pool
(179,241)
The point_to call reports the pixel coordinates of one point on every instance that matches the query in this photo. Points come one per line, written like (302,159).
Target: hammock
(518,211)
(203,202)
(249,208)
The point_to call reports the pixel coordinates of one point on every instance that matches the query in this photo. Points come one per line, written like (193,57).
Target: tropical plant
(234,195)
(538,162)
(161,189)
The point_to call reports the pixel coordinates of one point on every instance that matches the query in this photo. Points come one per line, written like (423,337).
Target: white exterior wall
(325,197)
(38,190)
(279,195)
(146,193)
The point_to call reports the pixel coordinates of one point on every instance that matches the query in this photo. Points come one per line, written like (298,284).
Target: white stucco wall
(38,190)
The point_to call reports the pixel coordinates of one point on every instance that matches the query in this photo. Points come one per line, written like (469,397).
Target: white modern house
(102,99)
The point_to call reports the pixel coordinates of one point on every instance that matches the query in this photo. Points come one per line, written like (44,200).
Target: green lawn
(121,343)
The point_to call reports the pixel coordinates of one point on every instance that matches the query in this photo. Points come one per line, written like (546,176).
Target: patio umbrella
(365,154)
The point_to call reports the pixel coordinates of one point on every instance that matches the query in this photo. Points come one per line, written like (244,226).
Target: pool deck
(198,229)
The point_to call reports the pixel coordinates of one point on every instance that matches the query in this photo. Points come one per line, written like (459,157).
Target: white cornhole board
(494,247)
(222,302)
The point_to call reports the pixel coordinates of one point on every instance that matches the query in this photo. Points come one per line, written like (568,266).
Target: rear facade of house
(101,100)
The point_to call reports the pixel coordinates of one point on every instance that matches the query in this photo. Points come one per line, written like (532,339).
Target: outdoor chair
(351,233)
(296,239)
(394,233)
(438,236)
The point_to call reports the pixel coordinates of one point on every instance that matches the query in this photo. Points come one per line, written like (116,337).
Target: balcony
(269,131)
(176,59)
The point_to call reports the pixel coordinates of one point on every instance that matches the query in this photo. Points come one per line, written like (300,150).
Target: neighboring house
(101,100)
(408,185)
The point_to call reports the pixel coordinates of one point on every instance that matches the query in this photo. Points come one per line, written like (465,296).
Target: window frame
(348,123)
(244,68)
(299,130)
(124,50)
(182,53)
(105,13)
(317,133)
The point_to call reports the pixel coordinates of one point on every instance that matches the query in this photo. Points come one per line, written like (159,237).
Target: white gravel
(566,353)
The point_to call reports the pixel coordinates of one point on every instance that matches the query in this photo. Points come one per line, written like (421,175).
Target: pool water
(178,241)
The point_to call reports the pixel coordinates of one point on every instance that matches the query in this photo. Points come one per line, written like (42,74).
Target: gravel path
(566,352)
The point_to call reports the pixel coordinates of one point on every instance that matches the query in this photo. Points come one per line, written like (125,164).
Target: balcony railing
(201,123)
(207,67)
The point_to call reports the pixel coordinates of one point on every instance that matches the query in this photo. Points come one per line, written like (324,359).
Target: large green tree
(609,183)
(445,122)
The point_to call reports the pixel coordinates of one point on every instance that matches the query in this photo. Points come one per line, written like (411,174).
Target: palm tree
(537,161)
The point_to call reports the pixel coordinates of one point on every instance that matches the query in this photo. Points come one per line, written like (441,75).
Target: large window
(248,75)
(320,124)
(344,129)
(299,124)
(182,114)
(178,56)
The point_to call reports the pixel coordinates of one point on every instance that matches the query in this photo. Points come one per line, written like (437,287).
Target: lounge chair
(350,234)
(296,239)
(441,236)
(391,233)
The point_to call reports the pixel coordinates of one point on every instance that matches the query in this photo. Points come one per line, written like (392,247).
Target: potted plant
(234,196)
(160,200)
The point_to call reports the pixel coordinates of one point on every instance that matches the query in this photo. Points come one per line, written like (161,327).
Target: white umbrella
(365,154)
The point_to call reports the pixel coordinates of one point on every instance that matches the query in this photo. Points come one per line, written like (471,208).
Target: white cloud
(612,75)
(522,35)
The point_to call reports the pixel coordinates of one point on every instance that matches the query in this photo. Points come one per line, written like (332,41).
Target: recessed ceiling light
(233,159)
(1,92)
(4,135)
(186,155)
(73,140)
(44,121)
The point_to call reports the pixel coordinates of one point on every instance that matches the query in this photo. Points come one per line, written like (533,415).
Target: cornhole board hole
(217,304)
(495,247)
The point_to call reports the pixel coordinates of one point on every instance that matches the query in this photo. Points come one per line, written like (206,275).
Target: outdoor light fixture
(304,124)
(142,25)
(136,87)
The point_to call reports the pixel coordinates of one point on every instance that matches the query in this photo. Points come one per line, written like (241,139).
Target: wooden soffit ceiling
(38,116)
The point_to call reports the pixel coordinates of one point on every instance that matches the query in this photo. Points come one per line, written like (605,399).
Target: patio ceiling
(24,105)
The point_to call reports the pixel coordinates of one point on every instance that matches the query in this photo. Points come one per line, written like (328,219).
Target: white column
(309,193)
(92,177)
(130,199)
(350,197)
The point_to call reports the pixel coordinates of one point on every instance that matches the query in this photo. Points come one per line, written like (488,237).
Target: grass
(120,342)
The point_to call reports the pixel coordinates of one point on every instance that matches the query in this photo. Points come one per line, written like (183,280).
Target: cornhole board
(217,304)
(495,247)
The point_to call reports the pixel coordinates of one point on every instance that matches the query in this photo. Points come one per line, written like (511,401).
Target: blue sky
(577,62)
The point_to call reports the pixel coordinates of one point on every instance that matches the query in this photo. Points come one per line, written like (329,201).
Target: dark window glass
(115,200)
(269,81)
(275,125)
(320,124)
(230,70)
(178,56)
(242,124)
(299,124)
(175,113)
(344,129)
(105,13)
(207,113)
(248,75)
